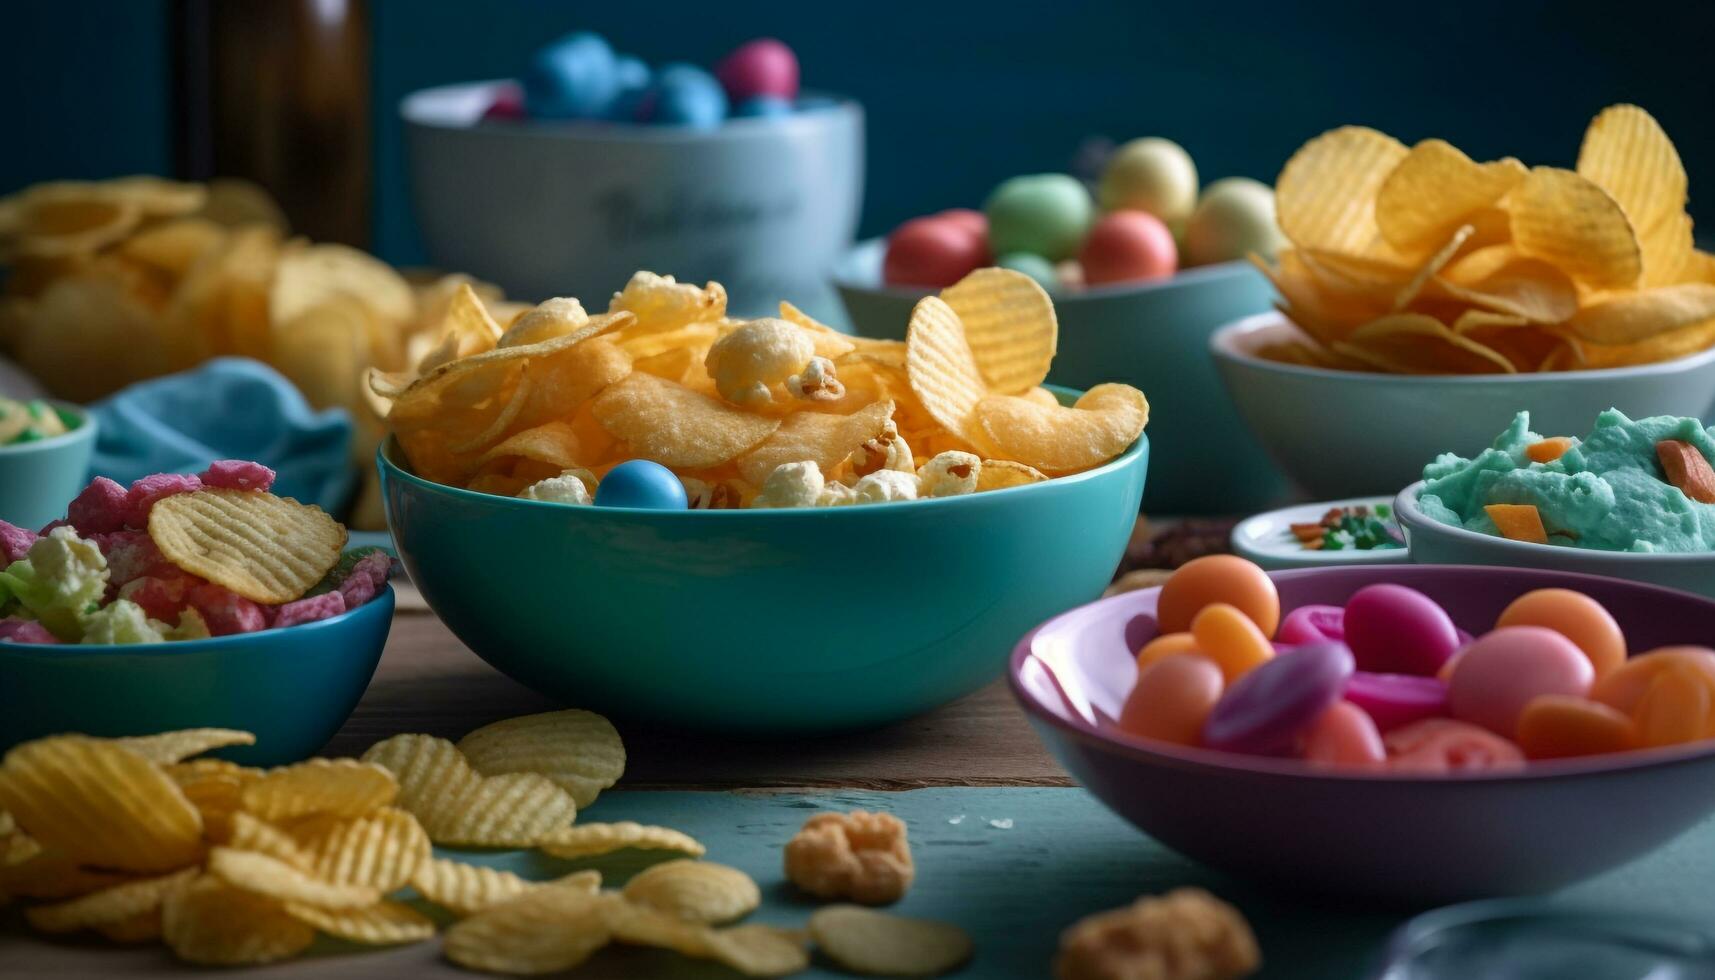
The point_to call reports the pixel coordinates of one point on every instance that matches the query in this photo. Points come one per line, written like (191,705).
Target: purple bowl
(1402,838)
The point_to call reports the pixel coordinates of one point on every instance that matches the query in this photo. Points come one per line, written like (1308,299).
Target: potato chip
(175,246)
(341,787)
(546,320)
(941,367)
(579,750)
(829,342)
(266,548)
(1010,326)
(169,747)
(593,839)
(457,806)
(211,923)
(98,803)
(235,202)
(381,851)
(570,376)
(309,276)
(823,439)
(998,474)
(67,337)
(1435,189)
(109,906)
(270,876)
(1325,193)
(1434,264)
(383,924)
(543,931)
(1569,221)
(215,787)
(696,891)
(675,426)
(66,218)
(1627,154)
(249,833)
(324,352)
(144,927)
(1099,426)
(1419,331)
(875,943)
(35,873)
(468,888)
(156,197)
(1661,347)
(1501,280)
(1627,318)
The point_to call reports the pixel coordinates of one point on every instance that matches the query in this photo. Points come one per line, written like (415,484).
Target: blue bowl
(1153,336)
(293,687)
(38,478)
(773,622)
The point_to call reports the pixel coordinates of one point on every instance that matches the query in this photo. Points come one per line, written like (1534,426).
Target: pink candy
(143,494)
(761,67)
(1345,736)
(161,598)
(1265,711)
(1501,671)
(1438,746)
(237,474)
(132,555)
(1395,630)
(1395,700)
(100,509)
(1312,624)
(15,542)
(15,630)
(309,609)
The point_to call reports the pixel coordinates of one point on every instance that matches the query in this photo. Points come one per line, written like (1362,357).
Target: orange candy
(1556,726)
(1442,745)
(1218,578)
(1344,737)
(1227,636)
(1171,699)
(1575,616)
(1165,645)
(1675,708)
(1624,686)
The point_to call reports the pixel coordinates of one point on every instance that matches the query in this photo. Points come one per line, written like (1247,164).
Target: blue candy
(763,107)
(630,72)
(641,483)
(635,101)
(686,95)
(576,77)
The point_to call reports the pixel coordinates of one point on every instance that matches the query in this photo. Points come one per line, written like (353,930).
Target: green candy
(1044,214)
(1034,266)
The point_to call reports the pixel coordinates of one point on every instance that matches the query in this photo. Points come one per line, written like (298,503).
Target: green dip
(1606,493)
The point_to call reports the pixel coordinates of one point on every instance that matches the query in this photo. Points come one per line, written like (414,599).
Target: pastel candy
(1128,246)
(1233,218)
(685,95)
(1218,578)
(573,78)
(1266,710)
(1044,214)
(1555,726)
(970,219)
(1501,671)
(1575,616)
(934,252)
(1034,266)
(1150,174)
(1395,700)
(641,483)
(1677,707)
(1343,736)
(1229,638)
(1172,698)
(1442,746)
(1626,685)
(1165,645)
(764,66)
(1312,624)
(1395,630)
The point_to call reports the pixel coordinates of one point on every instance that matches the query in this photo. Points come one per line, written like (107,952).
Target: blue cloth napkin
(227,408)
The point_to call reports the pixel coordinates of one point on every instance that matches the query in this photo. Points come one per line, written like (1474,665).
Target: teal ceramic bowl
(37,478)
(292,687)
(1356,433)
(1435,543)
(767,622)
(1153,336)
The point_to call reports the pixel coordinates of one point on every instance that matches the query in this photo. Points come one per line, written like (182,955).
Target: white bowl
(1357,433)
(1267,539)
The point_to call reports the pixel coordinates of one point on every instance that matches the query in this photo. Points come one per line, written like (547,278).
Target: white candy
(792,485)
(949,474)
(570,487)
(747,362)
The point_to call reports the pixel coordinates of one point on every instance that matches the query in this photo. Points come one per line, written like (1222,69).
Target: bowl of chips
(1344,432)
(45,448)
(1151,335)
(546,207)
(816,485)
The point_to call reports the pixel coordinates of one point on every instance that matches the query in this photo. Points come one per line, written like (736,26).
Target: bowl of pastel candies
(593,163)
(1143,264)
(1412,733)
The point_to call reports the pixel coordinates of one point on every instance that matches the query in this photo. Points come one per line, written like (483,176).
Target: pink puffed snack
(143,494)
(226,611)
(15,542)
(1395,700)
(1312,624)
(1396,630)
(15,630)
(100,508)
(161,598)
(309,609)
(237,474)
(1344,737)
(132,555)
(1442,745)
(366,578)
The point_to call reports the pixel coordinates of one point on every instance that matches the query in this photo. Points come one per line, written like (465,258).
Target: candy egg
(1044,214)
(641,483)
(685,95)
(1234,218)
(970,219)
(1343,736)
(1227,636)
(762,107)
(1501,671)
(1034,266)
(1554,726)
(1128,246)
(1265,711)
(1438,746)
(1165,645)
(1312,624)
(573,78)
(1217,578)
(1150,174)
(760,67)
(1625,686)
(1575,616)
(1395,630)
(1172,698)
(1396,700)
(932,252)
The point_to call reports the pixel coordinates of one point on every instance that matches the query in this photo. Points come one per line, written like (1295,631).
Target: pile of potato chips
(665,375)
(139,840)
(1421,261)
(110,282)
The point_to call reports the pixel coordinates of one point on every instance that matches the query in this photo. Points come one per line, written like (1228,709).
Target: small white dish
(1267,539)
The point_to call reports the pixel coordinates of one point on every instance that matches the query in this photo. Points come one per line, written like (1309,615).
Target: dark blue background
(963,94)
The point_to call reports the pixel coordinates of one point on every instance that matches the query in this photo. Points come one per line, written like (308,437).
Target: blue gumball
(641,483)
(635,101)
(576,77)
(763,107)
(630,72)
(686,95)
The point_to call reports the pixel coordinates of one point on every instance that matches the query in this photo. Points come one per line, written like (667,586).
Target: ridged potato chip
(823,439)
(213,924)
(270,876)
(174,246)
(1415,338)
(215,787)
(941,367)
(383,924)
(144,927)
(579,750)
(696,891)
(1626,318)
(1627,154)
(342,787)
(1435,189)
(758,950)
(592,839)
(1570,221)
(100,804)
(30,872)
(109,906)
(1500,279)
(464,889)
(254,834)
(830,343)
(543,931)
(382,850)
(268,549)
(878,944)
(1010,325)
(460,807)
(675,426)
(170,747)
(1325,193)
(1098,427)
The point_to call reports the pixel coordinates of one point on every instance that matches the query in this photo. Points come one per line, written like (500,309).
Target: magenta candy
(309,609)
(143,494)
(1264,711)
(15,630)
(761,67)
(1312,624)
(15,542)
(1395,630)
(1394,700)
(508,104)
(237,474)
(100,508)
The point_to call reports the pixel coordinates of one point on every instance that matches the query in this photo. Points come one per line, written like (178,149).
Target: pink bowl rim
(1155,753)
